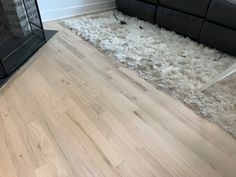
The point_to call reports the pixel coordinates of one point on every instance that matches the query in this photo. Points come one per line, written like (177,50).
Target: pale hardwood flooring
(71,112)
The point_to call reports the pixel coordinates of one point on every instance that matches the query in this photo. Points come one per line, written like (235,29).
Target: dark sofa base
(219,37)
(180,22)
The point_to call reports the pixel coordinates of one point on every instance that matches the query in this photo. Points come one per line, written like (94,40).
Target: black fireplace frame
(20,54)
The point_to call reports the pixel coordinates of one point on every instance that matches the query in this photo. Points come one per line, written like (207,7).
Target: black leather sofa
(212,22)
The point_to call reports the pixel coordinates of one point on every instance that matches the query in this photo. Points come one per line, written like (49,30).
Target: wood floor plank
(46,170)
(6,165)
(46,151)
(15,141)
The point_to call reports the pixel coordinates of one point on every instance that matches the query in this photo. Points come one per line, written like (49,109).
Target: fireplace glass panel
(21,33)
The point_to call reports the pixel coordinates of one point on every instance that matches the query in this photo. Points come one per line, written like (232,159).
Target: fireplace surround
(21,33)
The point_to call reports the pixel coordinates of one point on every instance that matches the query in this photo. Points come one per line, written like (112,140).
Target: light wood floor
(71,112)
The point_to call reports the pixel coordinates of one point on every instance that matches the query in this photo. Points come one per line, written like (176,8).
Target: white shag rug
(170,62)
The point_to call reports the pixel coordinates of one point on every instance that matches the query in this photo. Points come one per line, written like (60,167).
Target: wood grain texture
(71,111)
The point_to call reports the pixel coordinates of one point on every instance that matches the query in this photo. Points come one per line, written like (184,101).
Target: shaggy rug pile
(169,61)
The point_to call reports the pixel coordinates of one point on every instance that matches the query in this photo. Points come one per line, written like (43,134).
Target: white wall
(58,9)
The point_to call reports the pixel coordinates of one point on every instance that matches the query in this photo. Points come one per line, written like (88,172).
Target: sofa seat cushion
(194,7)
(219,37)
(142,10)
(223,12)
(179,22)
